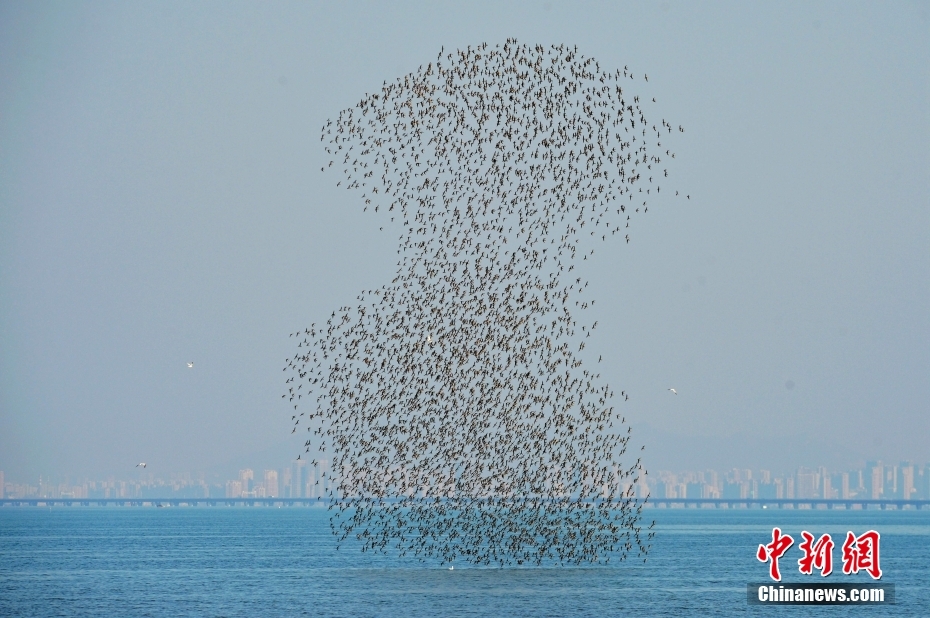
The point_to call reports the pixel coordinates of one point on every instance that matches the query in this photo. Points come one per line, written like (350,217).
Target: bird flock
(455,404)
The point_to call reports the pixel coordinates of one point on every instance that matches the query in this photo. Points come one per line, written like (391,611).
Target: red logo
(816,555)
(859,553)
(773,551)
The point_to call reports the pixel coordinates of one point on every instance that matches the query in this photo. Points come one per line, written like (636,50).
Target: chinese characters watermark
(860,553)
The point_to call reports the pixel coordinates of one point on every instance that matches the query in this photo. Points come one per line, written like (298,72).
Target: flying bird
(190,365)
(674,392)
(500,169)
(140,465)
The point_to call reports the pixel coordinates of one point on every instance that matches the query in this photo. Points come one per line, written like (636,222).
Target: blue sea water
(261,561)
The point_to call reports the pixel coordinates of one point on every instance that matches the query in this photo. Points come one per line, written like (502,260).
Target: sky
(161,202)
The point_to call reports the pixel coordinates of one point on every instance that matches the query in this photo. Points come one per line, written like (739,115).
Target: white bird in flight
(190,365)
(674,392)
(142,465)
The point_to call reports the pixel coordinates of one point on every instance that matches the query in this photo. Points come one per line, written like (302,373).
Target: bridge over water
(161,502)
(725,503)
(789,503)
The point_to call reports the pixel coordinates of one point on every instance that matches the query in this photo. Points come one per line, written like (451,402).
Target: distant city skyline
(874,480)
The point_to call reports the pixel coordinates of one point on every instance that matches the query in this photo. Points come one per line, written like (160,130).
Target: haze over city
(161,204)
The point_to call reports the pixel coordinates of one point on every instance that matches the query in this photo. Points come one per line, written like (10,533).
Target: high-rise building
(2,486)
(694,490)
(856,483)
(297,488)
(873,478)
(733,489)
(642,488)
(891,488)
(712,479)
(285,484)
(767,490)
(321,471)
(271,484)
(246,480)
(665,489)
(307,484)
(840,483)
(233,489)
(806,484)
(907,480)
(826,487)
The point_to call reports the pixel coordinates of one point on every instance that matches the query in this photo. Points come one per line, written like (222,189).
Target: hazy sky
(161,201)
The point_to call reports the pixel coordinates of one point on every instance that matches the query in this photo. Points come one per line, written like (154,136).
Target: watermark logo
(773,551)
(817,555)
(810,593)
(860,553)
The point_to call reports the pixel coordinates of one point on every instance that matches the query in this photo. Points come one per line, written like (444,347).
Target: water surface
(262,561)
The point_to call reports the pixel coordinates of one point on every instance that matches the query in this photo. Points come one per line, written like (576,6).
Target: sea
(283,561)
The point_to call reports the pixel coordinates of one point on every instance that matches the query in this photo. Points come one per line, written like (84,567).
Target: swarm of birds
(453,403)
